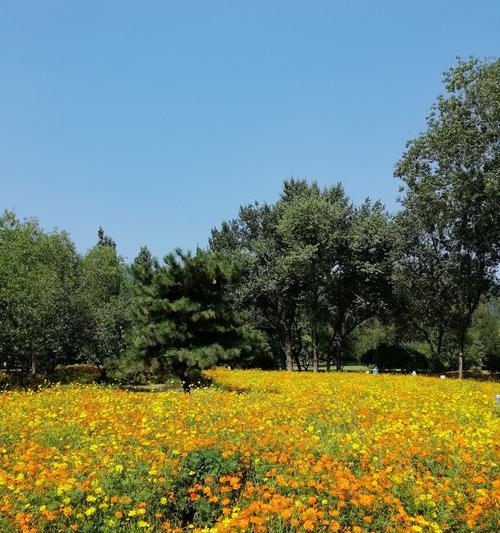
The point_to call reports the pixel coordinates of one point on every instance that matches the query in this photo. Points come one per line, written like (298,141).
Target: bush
(492,362)
(394,356)
(480,375)
(80,373)
(4,379)
(22,380)
(130,369)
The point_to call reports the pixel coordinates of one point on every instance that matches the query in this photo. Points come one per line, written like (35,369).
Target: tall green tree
(40,317)
(316,266)
(483,339)
(312,227)
(103,297)
(360,282)
(451,184)
(184,319)
(266,288)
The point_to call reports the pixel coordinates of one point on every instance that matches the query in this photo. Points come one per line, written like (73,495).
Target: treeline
(56,306)
(309,282)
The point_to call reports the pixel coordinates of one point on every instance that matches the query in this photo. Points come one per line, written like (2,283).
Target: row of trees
(57,306)
(316,267)
(306,282)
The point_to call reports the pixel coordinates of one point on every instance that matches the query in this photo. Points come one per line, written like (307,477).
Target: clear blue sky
(157,120)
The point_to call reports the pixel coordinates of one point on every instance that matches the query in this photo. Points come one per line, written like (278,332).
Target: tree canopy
(310,281)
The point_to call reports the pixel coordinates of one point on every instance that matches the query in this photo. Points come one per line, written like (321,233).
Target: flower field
(260,451)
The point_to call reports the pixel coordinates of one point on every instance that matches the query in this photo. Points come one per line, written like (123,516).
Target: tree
(103,297)
(183,317)
(359,285)
(266,289)
(371,334)
(105,240)
(312,227)
(483,339)
(38,296)
(451,176)
(316,267)
(422,292)
(142,270)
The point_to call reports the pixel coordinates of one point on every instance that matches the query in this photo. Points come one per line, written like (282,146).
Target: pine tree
(183,317)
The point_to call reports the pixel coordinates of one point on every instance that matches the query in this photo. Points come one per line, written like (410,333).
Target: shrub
(392,356)
(130,369)
(79,373)
(4,379)
(22,380)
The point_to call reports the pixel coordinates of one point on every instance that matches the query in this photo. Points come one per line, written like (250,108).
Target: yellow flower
(90,511)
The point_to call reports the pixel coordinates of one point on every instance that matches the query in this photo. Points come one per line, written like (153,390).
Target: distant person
(375,370)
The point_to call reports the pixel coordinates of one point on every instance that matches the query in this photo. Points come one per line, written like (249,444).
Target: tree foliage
(317,268)
(450,223)
(57,307)
(184,319)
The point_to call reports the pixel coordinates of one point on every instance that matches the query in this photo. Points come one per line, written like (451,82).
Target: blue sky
(157,120)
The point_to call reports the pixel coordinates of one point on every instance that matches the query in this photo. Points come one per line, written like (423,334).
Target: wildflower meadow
(255,451)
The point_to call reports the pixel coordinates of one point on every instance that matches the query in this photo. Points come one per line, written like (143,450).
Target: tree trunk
(315,360)
(282,362)
(289,355)
(336,348)
(328,361)
(184,376)
(338,361)
(33,366)
(461,354)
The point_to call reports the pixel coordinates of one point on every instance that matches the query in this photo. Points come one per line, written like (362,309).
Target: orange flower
(308,525)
